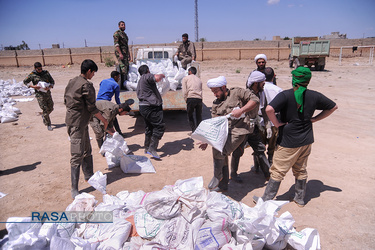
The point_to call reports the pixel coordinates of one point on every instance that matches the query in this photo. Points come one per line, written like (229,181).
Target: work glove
(269,133)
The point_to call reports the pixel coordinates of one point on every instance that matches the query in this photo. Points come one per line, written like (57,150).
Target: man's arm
(100,117)
(117,94)
(272,116)
(117,45)
(323,114)
(159,77)
(250,105)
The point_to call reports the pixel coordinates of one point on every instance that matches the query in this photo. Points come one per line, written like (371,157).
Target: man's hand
(202,145)
(236,112)
(121,56)
(269,133)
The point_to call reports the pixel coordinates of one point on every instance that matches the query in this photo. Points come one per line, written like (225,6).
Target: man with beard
(43,96)
(186,51)
(256,83)
(122,51)
(236,101)
(261,61)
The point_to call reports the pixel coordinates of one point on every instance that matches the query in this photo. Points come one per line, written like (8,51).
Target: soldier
(122,51)
(109,110)
(79,99)
(186,51)
(43,95)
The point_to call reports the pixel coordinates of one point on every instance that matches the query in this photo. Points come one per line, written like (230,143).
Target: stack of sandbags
(180,216)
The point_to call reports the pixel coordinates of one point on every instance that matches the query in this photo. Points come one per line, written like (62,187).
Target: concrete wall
(231,50)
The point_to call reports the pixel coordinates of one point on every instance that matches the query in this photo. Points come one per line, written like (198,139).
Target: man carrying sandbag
(109,110)
(236,101)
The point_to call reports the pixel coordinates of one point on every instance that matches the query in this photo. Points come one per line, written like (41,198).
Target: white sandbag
(43,86)
(180,74)
(133,200)
(131,86)
(114,148)
(213,131)
(22,234)
(177,233)
(163,204)
(111,235)
(99,182)
(58,243)
(213,235)
(308,238)
(220,206)
(47,231)
(147,226)
(134,164)
(163,86)
(6,119)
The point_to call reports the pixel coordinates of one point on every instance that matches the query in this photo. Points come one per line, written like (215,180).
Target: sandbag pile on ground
(173,74)
(182,216)
(8,88)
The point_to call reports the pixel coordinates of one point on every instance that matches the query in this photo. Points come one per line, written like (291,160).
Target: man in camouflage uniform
(186,51)
(44,98)
(109,110)
(122,51)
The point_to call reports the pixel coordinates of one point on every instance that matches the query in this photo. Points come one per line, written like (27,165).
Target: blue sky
(69,22)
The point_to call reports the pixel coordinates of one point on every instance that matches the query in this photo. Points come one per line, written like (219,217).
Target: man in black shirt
(296,107)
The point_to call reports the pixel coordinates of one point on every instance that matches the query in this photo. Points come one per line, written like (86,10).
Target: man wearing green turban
(296,107)
(301,78)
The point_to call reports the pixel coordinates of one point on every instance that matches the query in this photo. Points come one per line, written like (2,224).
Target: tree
(287,38)
(203,39)
(22,46)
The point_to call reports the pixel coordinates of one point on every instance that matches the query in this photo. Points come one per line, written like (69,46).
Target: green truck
(309,51)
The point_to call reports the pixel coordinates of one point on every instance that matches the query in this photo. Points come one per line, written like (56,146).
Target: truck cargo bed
(172,100)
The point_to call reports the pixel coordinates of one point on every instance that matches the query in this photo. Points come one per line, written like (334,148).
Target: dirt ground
(35,172)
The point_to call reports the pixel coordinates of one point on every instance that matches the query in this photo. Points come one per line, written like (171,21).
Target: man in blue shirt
(108,88)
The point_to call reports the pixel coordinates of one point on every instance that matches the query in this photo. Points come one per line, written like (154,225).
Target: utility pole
(85,43)
(196,21)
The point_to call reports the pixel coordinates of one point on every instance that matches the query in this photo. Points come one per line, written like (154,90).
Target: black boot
(270,157)
(88,167)
(300,191)
(74,175)
(147,143)
(234,162)
(264,165)
(223,185)
(256,163)
(153,146)
(100,142)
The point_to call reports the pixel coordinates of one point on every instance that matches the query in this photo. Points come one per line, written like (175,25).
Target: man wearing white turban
(256,83)
(227,100)
(261,61)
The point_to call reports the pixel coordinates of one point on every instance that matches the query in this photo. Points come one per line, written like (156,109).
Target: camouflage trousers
(123,64)
(46,104)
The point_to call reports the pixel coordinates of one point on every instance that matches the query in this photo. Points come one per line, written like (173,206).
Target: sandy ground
(35,172)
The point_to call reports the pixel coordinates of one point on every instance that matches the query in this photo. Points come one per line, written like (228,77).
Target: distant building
(334,35)
(276,38)
(56,46)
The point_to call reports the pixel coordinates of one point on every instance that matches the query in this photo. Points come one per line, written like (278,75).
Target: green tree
(22,46)
(203,39)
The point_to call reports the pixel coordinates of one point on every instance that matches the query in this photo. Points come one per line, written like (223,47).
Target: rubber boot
(270,157)
(300,191)
(88,167)
(223,184)
(147,143)
(264,165)
(100,142)
(234,162)
(74,175)
(218,174)
(256,163)
(153,146)
(271,190)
